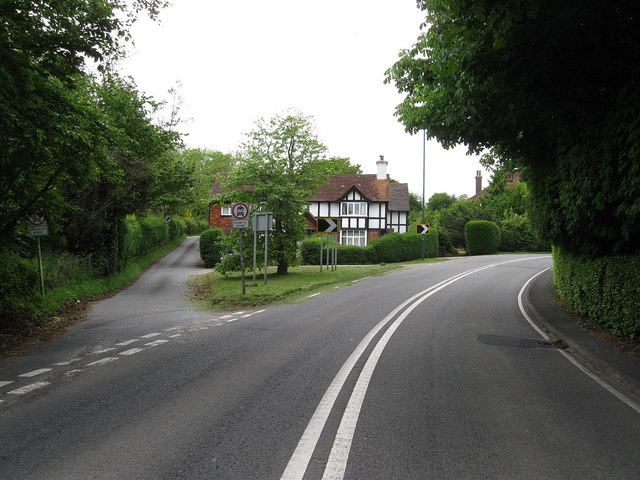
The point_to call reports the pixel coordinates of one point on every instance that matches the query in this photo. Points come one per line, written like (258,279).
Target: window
(226,211)
(354,209)
(353,237)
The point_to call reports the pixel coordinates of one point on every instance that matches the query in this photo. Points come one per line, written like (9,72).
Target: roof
(368,184)
(217,189)
(399,197)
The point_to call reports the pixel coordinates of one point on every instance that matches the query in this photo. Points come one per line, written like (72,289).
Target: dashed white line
(73,372)
(175,335)
(28,388)
(127,342)
(150,335)
(314,295)
(132,351)
(232,320)
(226,316)
(102,361)
(170,329)
(156,343)
(68,362)
(35,373)
(2,384)
(104,350)
(247,315)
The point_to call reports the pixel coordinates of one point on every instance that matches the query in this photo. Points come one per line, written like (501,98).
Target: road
(427,372)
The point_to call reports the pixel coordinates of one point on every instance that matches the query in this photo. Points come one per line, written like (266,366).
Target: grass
(218,291)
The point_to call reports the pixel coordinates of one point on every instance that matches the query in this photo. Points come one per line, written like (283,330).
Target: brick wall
(216,220)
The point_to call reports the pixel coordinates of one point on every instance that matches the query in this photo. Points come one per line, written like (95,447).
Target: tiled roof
(368,184)
(217,189)
(399,197)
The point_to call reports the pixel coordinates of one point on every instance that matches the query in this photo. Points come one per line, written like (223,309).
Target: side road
(600,357)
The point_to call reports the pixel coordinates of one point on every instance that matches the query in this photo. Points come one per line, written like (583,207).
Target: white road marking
(35,373)
(4,383)
(175,335)
(150,335)
(68,362)
(72,372)
(621,396)
(156,343)
(102,361)
(170,329)
(314,295)
(132,351)
(128,342)
(232,320)
(104,350)
(28,388)
(340,452)
(226,316)
(247,315)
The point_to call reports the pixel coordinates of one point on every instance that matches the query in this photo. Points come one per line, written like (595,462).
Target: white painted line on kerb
(621,396)
(102,361)
(132,351)
(127,342)
(302,455)
(150,335)
(35,373)
(28,388)
(5,383)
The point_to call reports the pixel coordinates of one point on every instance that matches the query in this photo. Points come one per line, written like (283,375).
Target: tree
(438,201)
(283,162)
(50,128)
(551,87)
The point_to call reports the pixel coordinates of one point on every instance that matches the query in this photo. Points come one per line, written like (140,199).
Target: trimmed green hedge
(395,247)
(212,246)
(483,237)
(603,291)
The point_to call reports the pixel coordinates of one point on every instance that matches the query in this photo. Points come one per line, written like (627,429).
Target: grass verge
(218,291)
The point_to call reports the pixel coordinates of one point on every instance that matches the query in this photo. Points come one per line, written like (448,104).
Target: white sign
(240,215)
(37,226)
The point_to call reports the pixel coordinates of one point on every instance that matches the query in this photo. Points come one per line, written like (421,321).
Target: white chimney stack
(382,168)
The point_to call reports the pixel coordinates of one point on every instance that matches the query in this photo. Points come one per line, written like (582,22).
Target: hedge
(212,246)
(395,247)
(482,236)
(603,291)
(518,234)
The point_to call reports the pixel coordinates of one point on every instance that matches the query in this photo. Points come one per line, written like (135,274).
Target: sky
(239,61)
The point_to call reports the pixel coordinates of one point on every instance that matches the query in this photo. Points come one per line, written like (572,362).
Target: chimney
(478,181)
(382,168)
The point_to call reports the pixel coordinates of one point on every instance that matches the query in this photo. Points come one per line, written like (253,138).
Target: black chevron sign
(423,229)
(328,225)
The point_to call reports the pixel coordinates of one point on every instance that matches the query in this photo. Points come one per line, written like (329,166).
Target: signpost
(423,229)
(240,220)
(330,226)
(262,222)
(37,226)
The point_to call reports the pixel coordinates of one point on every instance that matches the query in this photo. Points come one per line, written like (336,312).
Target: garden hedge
(482,236)
(603,291)
(212,246)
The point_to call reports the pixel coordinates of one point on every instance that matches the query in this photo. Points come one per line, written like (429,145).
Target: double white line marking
(337,462)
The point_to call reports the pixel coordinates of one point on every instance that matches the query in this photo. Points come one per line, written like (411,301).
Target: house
(512,180)
(368,206)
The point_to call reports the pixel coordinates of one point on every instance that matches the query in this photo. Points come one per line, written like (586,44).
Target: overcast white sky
(238,61)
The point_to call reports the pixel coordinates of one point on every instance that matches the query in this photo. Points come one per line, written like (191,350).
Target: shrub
(517,234)
(132,239)
(195,226)
(482,236)
(602,290)
(212,246)
(177,227)
(155,232)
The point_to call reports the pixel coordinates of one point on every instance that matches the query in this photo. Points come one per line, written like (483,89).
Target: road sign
(328,225)
(240,215)
(423,229)
(37,226)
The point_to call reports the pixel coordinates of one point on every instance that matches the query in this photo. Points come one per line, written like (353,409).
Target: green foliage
(395,247)
(132,239)
(451,221)
(177,227)
(549,87)
(155,232)
(284,163)
(483,237)
(212,246)
(195,226)
(602,290)
(518,234)
(438,201)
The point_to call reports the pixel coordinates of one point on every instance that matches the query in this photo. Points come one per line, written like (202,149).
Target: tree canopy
(283,162)
(551,87)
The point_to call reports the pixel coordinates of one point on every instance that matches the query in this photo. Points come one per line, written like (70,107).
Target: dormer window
(353,209)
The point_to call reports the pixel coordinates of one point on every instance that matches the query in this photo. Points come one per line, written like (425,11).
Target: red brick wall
(216,220)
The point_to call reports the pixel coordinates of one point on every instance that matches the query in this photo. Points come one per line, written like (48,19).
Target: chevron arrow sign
(328,225)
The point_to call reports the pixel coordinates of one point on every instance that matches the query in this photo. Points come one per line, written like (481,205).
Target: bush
(603,290)
(155,232)
(177,227)
(482,236)
(517,234)
(195,226)
(132,239)
(212,246)
(395,247)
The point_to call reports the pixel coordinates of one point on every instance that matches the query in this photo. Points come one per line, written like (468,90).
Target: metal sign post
(37,226)
(240,220)
(330,226)
(262,222)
